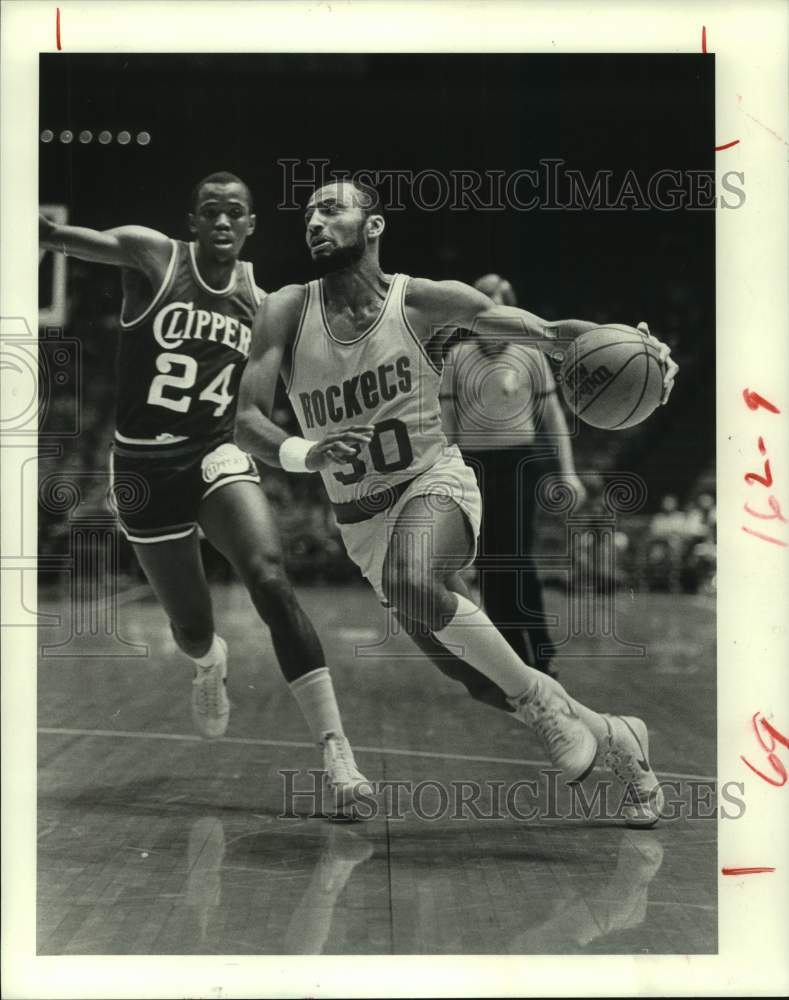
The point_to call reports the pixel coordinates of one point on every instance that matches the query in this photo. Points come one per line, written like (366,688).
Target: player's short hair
(369,199)
(220,177)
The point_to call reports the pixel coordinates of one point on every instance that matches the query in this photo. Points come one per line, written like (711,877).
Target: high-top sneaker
(567,740)
(626,753)
(210,707)
(345,780)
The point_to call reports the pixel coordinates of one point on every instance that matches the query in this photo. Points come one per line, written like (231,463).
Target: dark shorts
(157,489)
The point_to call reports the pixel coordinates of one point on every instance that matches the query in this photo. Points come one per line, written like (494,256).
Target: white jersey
(382,377)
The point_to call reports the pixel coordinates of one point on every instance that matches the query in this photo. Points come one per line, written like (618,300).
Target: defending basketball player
(185,337)
(360,351)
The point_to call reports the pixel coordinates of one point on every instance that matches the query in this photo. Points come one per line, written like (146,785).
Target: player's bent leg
(237,519)
(426,548)
(479,687)
(174,569)
(428,543)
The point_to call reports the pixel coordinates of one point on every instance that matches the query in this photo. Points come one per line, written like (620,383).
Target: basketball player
(185,336)
(360,352)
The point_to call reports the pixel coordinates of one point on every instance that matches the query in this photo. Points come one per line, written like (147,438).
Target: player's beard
(341,257)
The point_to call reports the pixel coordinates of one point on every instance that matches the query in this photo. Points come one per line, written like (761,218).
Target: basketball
(612,377)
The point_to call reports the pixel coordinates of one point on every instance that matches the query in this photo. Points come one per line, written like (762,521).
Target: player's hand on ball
(339,447)
(671,366)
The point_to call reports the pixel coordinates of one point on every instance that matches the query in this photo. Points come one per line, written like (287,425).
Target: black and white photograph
(376,542)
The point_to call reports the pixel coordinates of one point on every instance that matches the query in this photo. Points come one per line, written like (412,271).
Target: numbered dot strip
(104,138)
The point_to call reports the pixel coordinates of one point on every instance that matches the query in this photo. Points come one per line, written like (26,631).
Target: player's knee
(417,598)
(267,582)
(263,568)
(397,582)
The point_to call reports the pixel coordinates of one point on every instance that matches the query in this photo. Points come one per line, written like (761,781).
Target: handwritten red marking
(753,401)
(57,28)
(772,732)
(765,538)
(745,871)
(761,726)
(774,507)
(779,768)
(765,480)
(727,145)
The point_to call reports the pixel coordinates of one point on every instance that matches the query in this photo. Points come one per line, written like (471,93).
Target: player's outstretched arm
(273,333)
(444,305)
(447,305)
(126,246)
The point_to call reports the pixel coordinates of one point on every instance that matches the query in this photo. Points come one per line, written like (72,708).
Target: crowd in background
(680,545)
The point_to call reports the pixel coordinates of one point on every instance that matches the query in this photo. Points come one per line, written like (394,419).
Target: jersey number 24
(178,374)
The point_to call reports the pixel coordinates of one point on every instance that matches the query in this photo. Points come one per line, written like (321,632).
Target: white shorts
(450,479)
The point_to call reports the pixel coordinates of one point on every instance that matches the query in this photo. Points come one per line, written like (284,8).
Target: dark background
(440,112)
(446,112)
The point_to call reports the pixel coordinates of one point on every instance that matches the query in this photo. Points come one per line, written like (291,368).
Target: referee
(499,405)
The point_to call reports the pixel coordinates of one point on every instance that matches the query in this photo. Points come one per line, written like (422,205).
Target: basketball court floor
(151,841)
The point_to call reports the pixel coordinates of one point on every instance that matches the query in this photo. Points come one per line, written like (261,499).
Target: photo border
(749,41)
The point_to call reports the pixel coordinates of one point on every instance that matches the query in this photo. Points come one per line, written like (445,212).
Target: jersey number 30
(396,463)
(179,372)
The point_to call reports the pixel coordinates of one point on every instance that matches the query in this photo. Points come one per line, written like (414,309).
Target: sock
(315,694)
(485,648)
(214,654)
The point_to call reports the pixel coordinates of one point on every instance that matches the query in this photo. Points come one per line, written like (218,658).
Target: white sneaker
(626,753)
(346,782)
(568,741)
(210,707)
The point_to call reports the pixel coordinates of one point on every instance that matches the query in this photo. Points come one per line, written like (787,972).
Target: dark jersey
(182,352)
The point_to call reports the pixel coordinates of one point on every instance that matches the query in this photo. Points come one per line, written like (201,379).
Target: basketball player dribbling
(185,337)
(360,352)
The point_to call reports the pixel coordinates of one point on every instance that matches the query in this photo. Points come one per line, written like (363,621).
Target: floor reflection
(205,854)
(329,853)
(619,904)
(310,924)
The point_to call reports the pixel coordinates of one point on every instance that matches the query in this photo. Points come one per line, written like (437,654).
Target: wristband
(293,454)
